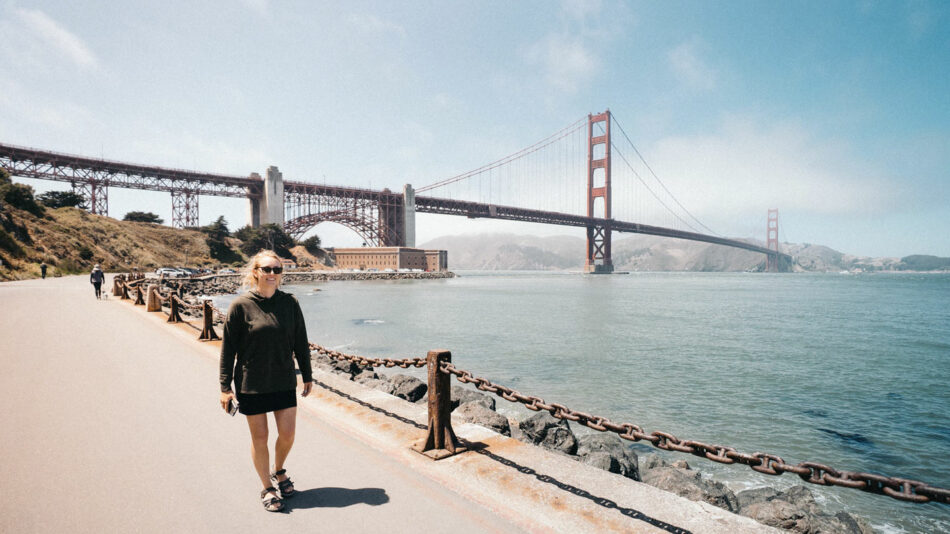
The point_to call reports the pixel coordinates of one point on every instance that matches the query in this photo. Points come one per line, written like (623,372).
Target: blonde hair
(250,272)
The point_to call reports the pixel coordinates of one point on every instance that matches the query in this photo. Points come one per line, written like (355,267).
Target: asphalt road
(110,423)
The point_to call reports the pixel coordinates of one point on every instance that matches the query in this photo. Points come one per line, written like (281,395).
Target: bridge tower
(184,209)
(771,242)
(598,186)
(96,195)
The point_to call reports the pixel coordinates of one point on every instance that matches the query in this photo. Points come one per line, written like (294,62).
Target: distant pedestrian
(263,333)
(96,279)
(43,270)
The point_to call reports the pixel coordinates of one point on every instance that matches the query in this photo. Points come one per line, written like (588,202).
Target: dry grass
(72,241)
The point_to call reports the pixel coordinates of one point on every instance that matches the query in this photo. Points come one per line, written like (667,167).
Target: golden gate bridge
(541,183)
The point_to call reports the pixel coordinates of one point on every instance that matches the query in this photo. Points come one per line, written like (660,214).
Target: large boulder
(652,461)
(692,485)
(462,395)
(620,459)
(796,510)
(408,387)
(476,412)
(550,432)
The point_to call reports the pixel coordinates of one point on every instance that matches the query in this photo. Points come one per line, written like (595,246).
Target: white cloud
(747,167)
(566,62)
(260,6)
(689,68)
(371,24)
(41,29)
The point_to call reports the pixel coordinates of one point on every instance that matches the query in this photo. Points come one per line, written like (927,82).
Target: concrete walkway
(110,423)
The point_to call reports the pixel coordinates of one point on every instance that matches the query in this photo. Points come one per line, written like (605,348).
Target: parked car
(226,271)
(168,272)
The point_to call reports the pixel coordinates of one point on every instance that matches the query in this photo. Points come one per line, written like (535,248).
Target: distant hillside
(651,253)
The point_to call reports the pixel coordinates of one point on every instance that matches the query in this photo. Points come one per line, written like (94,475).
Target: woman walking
(263,334)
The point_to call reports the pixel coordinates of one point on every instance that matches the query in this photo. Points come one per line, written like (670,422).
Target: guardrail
(441,441)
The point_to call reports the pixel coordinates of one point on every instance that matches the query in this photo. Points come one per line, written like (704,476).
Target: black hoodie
(265,334)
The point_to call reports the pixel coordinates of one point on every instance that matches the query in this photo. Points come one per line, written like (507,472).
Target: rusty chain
(364,361)
(769,464)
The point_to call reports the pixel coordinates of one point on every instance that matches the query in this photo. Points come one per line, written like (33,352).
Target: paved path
(110,423)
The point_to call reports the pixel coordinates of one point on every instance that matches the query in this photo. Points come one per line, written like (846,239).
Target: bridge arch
(369,229)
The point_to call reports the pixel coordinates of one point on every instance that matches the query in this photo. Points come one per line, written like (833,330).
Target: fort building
(395,258)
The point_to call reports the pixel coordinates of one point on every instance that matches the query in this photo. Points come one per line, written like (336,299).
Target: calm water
(848,370)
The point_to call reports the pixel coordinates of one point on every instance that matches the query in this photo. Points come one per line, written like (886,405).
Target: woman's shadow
(336,498)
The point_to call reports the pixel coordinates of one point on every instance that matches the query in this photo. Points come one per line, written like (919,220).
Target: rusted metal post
(125,291)
(115,286)
(208,333)
(153,303)
(173,315)
(440,442)
(139,295)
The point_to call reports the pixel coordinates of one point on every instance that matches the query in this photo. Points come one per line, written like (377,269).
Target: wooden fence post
(173,314)
(440,442)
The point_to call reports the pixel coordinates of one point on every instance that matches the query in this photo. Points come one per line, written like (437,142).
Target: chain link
(769,464)
(371,362)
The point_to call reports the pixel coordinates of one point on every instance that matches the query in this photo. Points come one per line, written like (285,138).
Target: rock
(691,485)
(366,374)
(544,429)
(623,461)
(757,495)
(462,395)
(476,412)
(680,464)
(408,387)
(347,368)
(652,461)
(383,385)
(796,510)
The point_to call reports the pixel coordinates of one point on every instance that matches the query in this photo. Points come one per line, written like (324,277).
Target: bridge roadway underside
(478,210)
(112,425)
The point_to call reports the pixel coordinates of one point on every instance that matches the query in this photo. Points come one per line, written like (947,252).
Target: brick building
(395,258)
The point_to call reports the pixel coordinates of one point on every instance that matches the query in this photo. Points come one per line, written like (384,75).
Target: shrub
(143,216)
(61,199)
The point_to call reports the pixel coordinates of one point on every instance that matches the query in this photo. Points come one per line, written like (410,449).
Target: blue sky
(837,113)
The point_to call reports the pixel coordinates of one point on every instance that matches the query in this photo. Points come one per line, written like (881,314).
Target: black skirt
(258,403)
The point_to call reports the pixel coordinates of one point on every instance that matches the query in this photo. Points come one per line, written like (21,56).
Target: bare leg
(258,427)
(286,429)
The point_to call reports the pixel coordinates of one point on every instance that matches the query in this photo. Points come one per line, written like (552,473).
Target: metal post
(208,333)
(125,291)
(139,295)
(173,315)
(440,442)
(115,286)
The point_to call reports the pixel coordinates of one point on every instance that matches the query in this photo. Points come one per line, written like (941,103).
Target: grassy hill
(71,241)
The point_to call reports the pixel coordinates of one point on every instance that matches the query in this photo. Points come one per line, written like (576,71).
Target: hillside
(70,240)
(651,253)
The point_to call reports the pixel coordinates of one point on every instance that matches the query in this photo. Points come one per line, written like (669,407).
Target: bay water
(849,370)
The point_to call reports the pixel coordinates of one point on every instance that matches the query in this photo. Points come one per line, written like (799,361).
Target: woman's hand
(225,397)
(307,386)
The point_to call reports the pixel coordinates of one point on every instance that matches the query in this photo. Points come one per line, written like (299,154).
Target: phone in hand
(232,406)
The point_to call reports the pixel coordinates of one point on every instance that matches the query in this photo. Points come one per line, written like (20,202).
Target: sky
(836,113)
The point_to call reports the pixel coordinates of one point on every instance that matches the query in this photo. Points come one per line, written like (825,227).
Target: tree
(61,199)
(312,244)
(217,230)
(268,236)
(142,216)
(4,177)
(20,196)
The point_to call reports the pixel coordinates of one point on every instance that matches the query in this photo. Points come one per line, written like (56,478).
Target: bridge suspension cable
(560,134)
(657,178)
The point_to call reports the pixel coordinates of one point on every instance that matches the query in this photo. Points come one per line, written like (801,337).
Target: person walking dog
(263,333)
(96,278)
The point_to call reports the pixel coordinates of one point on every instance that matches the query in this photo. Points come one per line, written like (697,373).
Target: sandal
(271,504)
(286,486)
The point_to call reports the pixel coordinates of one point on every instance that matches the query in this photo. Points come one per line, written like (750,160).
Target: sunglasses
(268,269)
